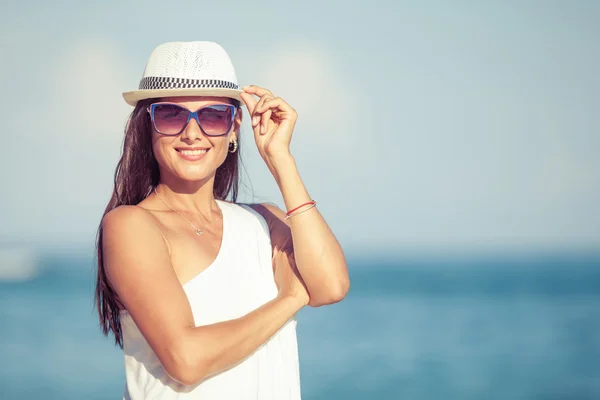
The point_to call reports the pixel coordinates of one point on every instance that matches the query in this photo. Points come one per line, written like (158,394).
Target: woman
(201,292)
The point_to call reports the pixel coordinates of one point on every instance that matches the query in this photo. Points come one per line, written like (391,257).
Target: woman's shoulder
(127,213)
(129,218)
(133,224)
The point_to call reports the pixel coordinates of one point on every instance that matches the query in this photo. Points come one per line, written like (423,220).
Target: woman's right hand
(287,278)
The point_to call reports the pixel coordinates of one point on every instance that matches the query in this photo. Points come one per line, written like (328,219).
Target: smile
(192,155)
(192,152)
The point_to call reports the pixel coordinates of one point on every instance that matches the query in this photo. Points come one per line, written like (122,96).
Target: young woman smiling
(198,290)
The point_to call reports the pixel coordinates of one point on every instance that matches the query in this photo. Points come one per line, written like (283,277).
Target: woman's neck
(191,197)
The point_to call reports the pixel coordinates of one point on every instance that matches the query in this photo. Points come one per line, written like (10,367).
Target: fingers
(257,90)
(267,106)
(248,96)
(263,119)
(250,101)
(277,108)
(266,118)
(277,104)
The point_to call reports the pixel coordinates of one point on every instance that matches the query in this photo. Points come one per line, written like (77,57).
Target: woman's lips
(192,155)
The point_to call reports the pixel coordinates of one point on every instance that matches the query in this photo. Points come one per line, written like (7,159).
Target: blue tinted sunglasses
(171,119)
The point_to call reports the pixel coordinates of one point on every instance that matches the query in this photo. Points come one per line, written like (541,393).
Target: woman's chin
(193,174)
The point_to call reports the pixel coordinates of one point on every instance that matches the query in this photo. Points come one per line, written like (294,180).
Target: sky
(422,125)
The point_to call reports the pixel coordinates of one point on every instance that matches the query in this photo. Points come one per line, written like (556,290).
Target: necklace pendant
(199,232)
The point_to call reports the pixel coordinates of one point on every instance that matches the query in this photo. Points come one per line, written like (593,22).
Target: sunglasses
(171,119)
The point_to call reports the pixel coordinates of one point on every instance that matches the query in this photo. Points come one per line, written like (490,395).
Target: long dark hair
(136,175)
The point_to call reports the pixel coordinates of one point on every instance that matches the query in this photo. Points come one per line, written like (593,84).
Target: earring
(235,145)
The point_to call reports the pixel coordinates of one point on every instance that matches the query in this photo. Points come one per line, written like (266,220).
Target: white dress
(238,281)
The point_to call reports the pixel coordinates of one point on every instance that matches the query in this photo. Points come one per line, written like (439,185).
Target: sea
(503,326)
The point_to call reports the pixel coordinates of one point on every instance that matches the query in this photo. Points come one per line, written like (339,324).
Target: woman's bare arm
(139,269)
(306,238)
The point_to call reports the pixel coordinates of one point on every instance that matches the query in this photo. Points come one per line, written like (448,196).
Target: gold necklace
(198,230)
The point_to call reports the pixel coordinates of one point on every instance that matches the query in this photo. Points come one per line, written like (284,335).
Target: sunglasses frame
(191,114)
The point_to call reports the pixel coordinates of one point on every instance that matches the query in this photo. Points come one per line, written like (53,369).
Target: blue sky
(423,125)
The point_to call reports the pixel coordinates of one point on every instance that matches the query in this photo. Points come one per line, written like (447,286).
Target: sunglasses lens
(170,119)
(215,120)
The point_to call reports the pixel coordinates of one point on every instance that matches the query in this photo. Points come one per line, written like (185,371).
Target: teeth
(192,152)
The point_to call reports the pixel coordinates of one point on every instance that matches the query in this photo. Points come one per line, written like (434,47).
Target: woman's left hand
(273,121)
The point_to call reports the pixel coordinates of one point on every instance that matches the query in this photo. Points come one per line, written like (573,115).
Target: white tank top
(239,280)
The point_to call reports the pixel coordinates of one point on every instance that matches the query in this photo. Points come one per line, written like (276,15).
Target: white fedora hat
(187,69)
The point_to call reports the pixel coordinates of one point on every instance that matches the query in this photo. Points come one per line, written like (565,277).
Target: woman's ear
(237,120)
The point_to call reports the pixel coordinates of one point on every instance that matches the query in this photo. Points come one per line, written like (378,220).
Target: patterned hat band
(153,82)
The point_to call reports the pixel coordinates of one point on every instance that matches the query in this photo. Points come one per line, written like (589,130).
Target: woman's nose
(192,131)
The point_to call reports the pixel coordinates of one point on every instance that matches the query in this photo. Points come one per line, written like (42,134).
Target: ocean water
(518,327)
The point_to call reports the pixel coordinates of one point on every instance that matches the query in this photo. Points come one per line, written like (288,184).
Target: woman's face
(191,155)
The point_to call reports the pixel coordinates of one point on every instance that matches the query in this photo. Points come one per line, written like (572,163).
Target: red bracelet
(300,206)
